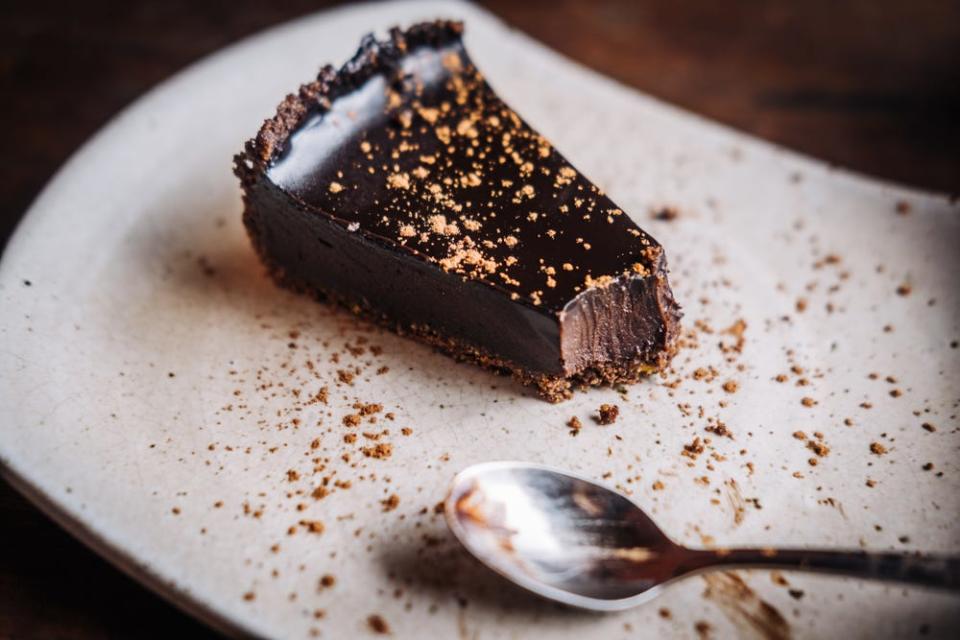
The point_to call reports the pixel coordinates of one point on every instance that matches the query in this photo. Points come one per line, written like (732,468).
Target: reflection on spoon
(571,540)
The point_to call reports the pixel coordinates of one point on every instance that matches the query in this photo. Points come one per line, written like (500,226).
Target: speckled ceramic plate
(169,405)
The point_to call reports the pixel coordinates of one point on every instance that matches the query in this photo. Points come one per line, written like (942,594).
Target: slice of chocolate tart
(403,188)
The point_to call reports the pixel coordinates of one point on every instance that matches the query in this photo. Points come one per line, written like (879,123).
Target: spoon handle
(928,570)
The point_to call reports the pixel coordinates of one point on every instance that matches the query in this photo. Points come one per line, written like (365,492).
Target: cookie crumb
(390,503)
(608,414)
(818,448)
(666,214)
(377,624)
(313,526)
(703,628)
(381,451)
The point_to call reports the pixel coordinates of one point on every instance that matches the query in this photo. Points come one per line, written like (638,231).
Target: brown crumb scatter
(249,596)
(731,386)
(720,428)
(665,213)
(737,330)
(703,629)
(607,414)
(807,401)
(818,448)
(381,451)
(313,526)
(575,425)
(327,581)
(369,408)
(694,449)
(377,624)
(904,289)
(391,503)
(877,449)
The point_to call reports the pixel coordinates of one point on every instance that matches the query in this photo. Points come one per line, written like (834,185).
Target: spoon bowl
(558,534)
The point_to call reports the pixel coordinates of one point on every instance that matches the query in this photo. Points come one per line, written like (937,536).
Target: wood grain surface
(869,85)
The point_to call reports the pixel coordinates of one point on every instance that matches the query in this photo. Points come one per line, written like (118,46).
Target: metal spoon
(568,539)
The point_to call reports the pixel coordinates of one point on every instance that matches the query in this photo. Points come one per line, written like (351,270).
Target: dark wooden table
(873,85)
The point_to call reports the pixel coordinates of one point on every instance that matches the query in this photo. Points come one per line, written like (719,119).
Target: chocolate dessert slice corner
(403,188)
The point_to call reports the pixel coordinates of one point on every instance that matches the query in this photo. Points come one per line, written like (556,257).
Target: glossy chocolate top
(410,147)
